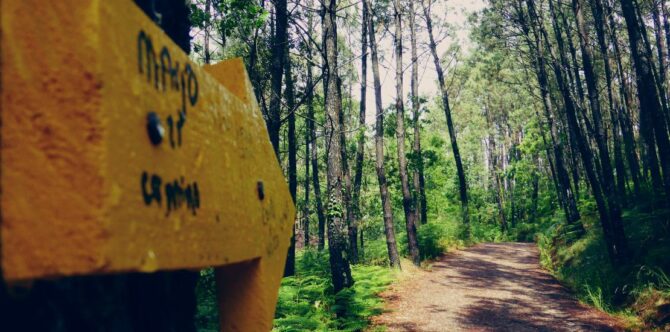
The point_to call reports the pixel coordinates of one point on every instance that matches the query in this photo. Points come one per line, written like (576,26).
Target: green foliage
(230,23)
(376,253)
(632,289)
(436,238)
(306,301)
(207,314)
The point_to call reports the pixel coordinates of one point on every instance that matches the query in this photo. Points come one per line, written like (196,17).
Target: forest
(408,129)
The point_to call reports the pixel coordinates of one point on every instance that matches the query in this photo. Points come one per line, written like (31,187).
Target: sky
(456,13)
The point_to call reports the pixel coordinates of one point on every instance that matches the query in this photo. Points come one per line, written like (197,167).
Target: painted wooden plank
(84,188)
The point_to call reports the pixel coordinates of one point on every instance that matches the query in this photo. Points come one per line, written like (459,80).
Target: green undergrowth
(639,291)
(307,303)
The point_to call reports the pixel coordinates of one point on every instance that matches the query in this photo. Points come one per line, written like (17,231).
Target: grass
(633,292)
(306,301)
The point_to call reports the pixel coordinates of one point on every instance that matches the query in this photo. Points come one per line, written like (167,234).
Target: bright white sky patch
(455,13)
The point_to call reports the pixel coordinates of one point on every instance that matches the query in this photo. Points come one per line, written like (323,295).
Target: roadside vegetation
(548,124)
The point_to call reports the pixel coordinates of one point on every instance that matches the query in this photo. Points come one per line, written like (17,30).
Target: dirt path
(489,287)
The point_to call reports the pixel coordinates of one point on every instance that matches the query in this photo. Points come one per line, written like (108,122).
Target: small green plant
(594,295)
(307,303)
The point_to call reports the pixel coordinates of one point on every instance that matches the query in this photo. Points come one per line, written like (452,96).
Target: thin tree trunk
(360,148)
(534,196)
(394,257)
(289,268)
(493,160)
(337,238)
(407,201)
(314,157)
(573,75)
(462,184)
(418,179)
(306,210)
(650,109)
(616,245)
(315,171)
(660,46)
(279,48)
(598,15)
(352,247)
(624,107)
(666,30)
(607,179)
(208,6)
(565,195)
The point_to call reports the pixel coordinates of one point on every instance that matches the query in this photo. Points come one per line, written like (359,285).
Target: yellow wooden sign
(120,154)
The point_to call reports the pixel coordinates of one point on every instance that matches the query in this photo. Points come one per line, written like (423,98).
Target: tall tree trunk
(306,210)
(208,7)
(607,179)
(565,194)
(407,201)
(623,112)
(494,167)
(337,230)
(462,184)
(598,15)
(279,48)
(352,228)
(574,75)
(660,46)
(289,268)
(360,148)
(394,257)
(321,227)
(534,198)
(418,179)
(651,114)
(616,243)
(573,145)
(666,28)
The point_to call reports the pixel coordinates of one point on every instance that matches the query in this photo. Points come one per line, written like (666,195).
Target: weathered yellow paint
(76,91)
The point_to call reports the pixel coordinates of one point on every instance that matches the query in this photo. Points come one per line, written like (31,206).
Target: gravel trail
(488,287)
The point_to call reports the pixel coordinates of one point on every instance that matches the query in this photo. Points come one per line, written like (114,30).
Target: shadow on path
(490,287)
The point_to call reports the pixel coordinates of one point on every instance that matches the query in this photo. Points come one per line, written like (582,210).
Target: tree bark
(360,148)
(462,184)
(289,268)
(607,179)
(208,7)
(651,114)
(337,238)
(394,257)
(314,157)
(493,168)
(616,243)
(565,194)
(407,201)
(306,209)
(623,116)
(598,16)
(279,47)
(352,228)
(418,179)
